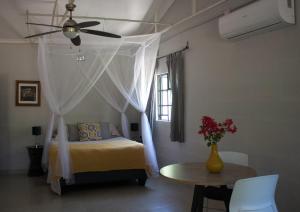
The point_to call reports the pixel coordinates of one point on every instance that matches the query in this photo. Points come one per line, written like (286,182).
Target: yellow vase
(214,163)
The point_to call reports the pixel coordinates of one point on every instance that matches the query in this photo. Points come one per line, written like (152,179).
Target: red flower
(228,122)
(213,131)
(233,129)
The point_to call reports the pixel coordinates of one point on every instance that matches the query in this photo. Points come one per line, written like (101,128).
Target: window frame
(159,96)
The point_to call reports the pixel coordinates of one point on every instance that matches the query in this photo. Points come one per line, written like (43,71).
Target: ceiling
(13,14)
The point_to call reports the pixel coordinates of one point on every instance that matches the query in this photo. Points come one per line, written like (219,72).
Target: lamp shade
(134,127)
(36,130)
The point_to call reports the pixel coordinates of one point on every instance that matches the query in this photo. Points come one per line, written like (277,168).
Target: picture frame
(28,93)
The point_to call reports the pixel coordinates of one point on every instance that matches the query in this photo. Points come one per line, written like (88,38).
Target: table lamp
(134,127)
(135,134)
(36,131)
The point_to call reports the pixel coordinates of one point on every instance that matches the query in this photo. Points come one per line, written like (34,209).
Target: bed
(100,161)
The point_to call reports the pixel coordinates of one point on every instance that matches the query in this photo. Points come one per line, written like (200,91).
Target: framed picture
(28,93)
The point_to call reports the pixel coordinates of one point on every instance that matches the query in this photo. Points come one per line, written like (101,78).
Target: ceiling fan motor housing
(70,7)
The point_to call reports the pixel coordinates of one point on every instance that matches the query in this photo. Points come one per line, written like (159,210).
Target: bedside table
(35,155)
(137,139)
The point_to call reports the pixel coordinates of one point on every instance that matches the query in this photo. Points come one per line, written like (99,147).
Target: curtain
(120,70)
(151,105)
(106,89)
(64,86)
(134,82)
(47,142)
(175,64)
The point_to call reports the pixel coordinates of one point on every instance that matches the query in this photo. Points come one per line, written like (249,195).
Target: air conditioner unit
(260,16)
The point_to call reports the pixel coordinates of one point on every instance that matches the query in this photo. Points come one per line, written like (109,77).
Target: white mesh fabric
(62,81)
(121,70)
(106,89)
(132,73)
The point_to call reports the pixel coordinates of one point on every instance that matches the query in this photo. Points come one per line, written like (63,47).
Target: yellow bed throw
(118,154)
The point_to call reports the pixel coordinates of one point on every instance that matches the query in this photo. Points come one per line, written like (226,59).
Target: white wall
(253,81)
(18,62)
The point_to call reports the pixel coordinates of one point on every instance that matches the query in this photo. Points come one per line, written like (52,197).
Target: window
(164,98)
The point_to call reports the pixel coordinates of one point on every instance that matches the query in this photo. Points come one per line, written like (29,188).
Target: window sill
(162,121)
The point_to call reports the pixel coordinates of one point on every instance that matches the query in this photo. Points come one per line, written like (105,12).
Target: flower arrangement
(213,131)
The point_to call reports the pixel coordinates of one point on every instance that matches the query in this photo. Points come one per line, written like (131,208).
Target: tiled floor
(21,193)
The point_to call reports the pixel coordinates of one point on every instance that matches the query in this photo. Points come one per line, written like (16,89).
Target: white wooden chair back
(238,158)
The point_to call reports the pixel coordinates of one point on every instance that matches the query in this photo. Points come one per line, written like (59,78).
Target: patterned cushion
(89,131)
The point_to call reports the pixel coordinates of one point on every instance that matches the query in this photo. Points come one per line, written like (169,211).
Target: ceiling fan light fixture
(70,32)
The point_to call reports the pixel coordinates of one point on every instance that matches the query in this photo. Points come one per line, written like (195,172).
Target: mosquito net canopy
(120,70)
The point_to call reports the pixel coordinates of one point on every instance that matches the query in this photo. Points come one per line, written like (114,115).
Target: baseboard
(13,172)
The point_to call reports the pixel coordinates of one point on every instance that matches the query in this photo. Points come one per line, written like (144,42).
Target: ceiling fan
(71,29)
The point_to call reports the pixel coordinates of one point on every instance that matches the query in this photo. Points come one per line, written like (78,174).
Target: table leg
(227,196)
(197,204)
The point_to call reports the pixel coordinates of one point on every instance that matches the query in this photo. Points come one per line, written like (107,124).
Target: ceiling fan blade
(44,25)
(76,41)
(100,33)
(87,24)
(44,33)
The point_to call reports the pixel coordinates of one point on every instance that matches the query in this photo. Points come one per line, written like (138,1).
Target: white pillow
(113,130)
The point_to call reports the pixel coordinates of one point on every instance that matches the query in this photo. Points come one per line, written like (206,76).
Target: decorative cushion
(73,134)
(89,131)
(114,131)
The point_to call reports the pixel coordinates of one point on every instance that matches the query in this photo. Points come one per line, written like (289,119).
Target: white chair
(223,193)
(254,194)
(234,157)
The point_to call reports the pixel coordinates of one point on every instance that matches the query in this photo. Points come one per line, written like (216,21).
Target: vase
(214,163)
